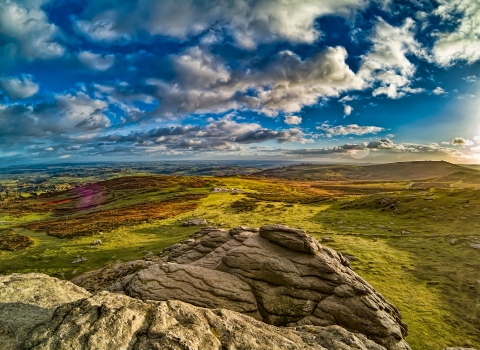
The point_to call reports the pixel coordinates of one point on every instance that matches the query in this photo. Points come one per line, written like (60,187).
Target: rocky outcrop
(67,317)
(276,274)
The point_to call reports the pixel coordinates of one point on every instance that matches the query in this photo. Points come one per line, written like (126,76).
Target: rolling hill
(421,170)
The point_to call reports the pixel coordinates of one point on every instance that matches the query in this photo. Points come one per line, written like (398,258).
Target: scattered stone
(404,232)
(463,218)
(381,226)
(79,260)
(97,241)
(195,222)
(453,241)
(327,239)
(475,245)
(351,258)
(425,209)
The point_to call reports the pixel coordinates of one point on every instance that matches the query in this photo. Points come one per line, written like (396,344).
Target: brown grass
(9,240)
(89,223)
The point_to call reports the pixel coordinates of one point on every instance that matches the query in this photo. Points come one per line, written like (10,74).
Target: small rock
(97,241)
(195,222)
(327,239)
(350,257)
(475,245)
(405,232)
(463,218)
(79,260)
(453,241)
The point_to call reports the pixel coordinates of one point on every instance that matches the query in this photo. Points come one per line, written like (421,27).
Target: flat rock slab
(196,285)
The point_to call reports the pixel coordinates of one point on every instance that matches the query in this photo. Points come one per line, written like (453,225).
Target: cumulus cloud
(19,87)
(347,110)
(96,61)
(387,61)
(344,130)
(472,79)
(439,91)
(384,147)
(247,22)
(462,43)
(293,120)
(461,141)
(205,83)
(26,30)
(223,134)
(67,113)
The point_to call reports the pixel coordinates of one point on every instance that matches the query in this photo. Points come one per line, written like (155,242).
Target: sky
(351,81)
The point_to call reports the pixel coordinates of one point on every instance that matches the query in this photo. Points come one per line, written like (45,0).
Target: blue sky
(333,80)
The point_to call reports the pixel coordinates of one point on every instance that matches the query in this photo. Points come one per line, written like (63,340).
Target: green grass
(397,265)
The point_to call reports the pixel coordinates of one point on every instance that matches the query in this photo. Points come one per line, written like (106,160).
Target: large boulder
(71,318)
(276,274)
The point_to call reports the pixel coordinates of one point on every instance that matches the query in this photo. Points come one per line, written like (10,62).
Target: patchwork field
(414,240)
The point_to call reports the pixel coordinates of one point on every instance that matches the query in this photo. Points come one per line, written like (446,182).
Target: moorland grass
(404,252)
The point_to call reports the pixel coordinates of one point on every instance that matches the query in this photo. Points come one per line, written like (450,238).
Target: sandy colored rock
(108,321)
(26,302)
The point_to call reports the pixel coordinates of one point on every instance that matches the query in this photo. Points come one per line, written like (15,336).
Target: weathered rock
(292,238)
(195,285)
(453,241)
(475,245)
(70,318)
(277,274)
(26,302)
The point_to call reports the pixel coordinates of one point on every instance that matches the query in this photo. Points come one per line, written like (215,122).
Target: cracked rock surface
(68,317)
(276,274)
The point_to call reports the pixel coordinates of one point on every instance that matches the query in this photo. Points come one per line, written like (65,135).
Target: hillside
(421,170)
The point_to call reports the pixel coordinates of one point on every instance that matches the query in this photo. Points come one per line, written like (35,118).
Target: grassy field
(401,237)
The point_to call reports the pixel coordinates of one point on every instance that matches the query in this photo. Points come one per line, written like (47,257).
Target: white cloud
(472,79)
(96,61)
(461,141)
(248,22)
(347,110)
(19,87)
(67,114)
(344,130)
(204,83)
(463,43)
(391,91)
(439,91)
(28,30)
(292,120)
(65,156)
(49,149)
(387,61)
